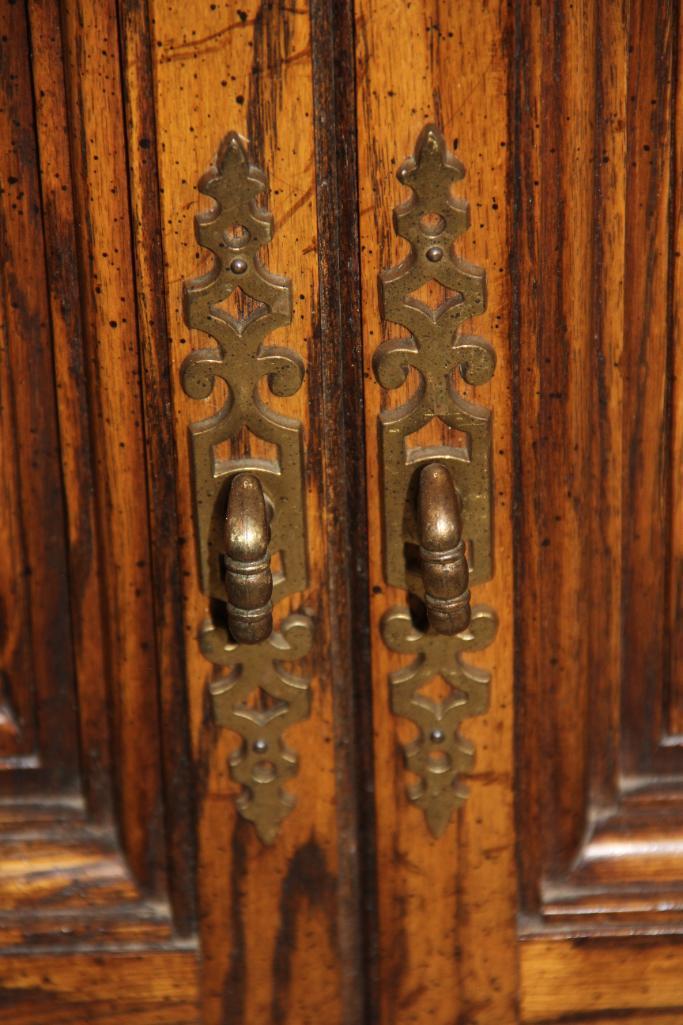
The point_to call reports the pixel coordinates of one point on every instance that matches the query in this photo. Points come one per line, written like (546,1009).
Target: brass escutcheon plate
(431,221)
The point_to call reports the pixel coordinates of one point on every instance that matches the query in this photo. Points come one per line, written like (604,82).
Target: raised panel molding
(96,826)
(601,836)
(36,656)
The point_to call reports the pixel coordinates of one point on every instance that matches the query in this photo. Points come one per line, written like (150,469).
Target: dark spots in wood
(308,891)
(234,991)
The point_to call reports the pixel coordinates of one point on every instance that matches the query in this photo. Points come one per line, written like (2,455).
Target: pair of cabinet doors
(493,841)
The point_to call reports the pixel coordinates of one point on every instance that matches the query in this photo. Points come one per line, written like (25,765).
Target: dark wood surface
(130,889)
(278,925)
(598,398)
(445,907)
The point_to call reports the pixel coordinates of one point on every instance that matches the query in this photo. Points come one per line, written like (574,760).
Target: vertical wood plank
(37,724)
(446,907)
(274,920)
(161,457)
(647,368)
(597,422)
(98,158)
(555,148)
(676,404)
(73,402)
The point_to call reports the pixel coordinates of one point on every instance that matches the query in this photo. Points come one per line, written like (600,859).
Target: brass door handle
(248,508)
(248,578)
(442,552)
(436,497)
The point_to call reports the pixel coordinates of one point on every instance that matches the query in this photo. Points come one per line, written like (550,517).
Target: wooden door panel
(599,808)
(600,769)
(92,855)
(277,921)
(568,112)
(130,888)
(122,107)
(445,907)
(37,657)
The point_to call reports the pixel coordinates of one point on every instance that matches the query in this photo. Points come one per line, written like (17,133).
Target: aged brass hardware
(248,580)
(436,499)
(247,509)
(442,551)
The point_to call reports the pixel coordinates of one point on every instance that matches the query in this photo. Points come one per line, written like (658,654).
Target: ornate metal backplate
(431,220)
(259,699)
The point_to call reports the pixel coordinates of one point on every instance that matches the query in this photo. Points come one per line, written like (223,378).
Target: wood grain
(651,194)
(75,444)
(445,907)
(82,855)
(152,331)
(561,978)
(595,148)
(675,723)
(157,988)
(37,724)
(98,160)
(567,117)
(275,925)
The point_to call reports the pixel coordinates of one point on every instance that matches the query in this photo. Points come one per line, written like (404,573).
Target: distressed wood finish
(142,988)
(84,845)
(598,192)
(130,889)
(37,729)
(278,923)
(446,948)
(597,398)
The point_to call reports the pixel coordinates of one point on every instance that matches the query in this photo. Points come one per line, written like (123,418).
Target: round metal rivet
(437,736)
(238,265)
(260,746)
(434,253)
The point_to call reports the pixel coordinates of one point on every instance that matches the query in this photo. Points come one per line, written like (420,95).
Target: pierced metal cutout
(248,509)
(431,220)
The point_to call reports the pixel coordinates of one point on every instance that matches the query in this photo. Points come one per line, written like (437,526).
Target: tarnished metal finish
(263,762)
(438,755)
(433,219)
(248,509)
(436,499)
(241,360)
(442,552)
(248,580)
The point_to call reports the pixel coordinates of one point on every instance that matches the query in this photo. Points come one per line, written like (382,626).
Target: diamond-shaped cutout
(440,695)
(260,707)
(239,308)
(434,298)
(437,690)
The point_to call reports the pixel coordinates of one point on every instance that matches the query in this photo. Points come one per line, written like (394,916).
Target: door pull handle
(248,578)
(442,552)
(247,508)
(437,498)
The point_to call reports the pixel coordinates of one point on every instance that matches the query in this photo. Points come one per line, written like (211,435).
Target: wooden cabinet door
(131,888)
(555,893)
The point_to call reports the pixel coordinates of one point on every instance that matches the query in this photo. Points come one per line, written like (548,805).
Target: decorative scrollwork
(439,754)
(431,221)
(234,231)
(263,761)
